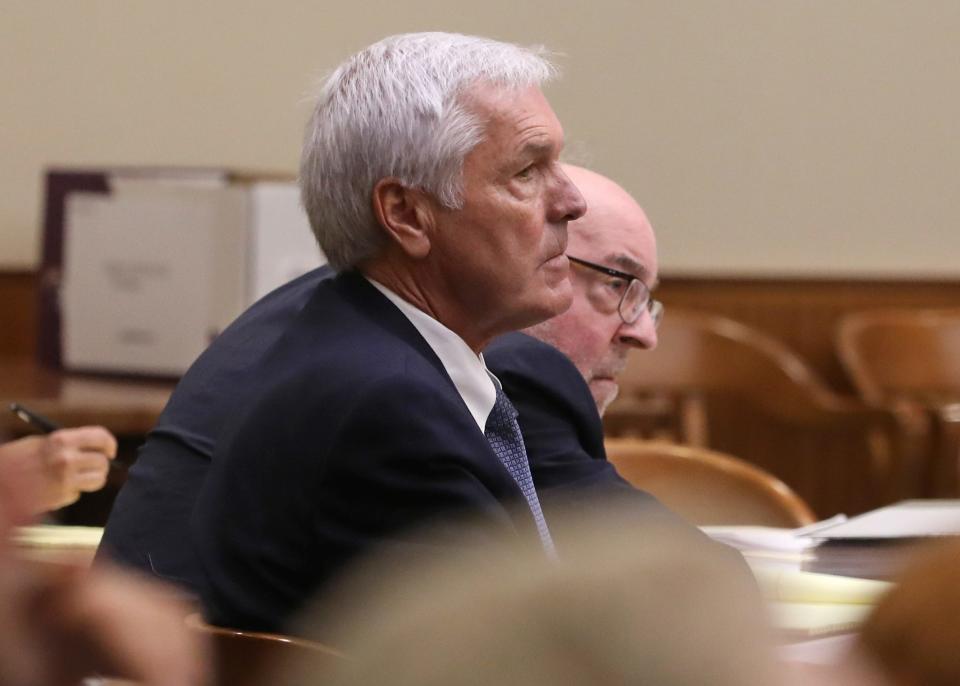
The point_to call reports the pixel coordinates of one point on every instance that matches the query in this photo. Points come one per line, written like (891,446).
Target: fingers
(66,489)
(52,471)
(93,439)
(93,478)
(76,461)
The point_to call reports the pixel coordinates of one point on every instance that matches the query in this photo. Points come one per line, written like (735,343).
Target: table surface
(126,407)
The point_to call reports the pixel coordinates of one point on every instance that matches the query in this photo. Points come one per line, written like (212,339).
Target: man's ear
(405,214)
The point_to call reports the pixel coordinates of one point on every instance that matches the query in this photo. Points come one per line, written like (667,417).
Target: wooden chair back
(737,390)
(251,658)
(909,361)
(707,487)
(892,355)
(701,352)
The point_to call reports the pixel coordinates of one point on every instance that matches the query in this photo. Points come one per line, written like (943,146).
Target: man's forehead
(519,127)
(493,95)
(525,109)
(624,245)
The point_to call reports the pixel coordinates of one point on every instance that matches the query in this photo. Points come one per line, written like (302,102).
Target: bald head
(614,222)
(614,233)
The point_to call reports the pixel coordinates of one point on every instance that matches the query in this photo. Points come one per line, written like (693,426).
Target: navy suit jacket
(148,527)
(339,428)
(356,436)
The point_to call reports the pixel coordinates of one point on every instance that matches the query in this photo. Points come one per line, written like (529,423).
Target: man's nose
(641,334)
(567,203)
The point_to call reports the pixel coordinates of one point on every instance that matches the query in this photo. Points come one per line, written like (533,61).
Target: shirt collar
(467,370)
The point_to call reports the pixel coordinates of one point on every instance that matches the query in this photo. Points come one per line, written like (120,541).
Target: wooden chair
(250,658)
(739,391)
(909,360)
(708,487)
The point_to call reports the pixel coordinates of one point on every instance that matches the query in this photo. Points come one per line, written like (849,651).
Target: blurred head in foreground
(628,603)
(914,633)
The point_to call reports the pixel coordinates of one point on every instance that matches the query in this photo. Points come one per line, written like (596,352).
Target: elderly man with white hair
(431,177)
(612,312)
(559,384)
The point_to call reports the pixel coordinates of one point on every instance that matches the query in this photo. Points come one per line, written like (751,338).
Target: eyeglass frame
(648,302)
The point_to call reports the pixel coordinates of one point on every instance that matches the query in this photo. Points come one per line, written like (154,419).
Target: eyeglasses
(633,293)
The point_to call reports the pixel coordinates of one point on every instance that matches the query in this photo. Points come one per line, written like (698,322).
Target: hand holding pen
(64,463)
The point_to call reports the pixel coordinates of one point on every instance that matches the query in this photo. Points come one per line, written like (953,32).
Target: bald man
(614,266)
(613,255)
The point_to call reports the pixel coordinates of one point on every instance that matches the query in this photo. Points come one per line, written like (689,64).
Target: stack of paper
(768,538)
(801,602)
(807,587)
(880,543)
(771,546)
(808,603)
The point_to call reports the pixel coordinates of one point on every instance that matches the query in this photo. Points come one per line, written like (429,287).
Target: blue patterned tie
(503,433)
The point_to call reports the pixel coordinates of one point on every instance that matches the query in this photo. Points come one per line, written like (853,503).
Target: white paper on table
(766,538)
(770,538)
(792,586)
(906,519)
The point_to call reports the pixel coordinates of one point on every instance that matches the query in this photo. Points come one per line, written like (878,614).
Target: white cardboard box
(154,270)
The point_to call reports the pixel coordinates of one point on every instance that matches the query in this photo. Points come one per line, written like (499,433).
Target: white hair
(395,109)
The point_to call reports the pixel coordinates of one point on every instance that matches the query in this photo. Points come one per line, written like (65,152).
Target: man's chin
(561,302)
(560,297)
(604,392)
(538,306)
(554,301)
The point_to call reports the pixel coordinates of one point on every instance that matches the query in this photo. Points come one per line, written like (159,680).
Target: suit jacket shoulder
(149,520)
(209,391)
(359,438)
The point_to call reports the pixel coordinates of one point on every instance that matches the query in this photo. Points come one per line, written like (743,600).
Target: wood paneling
(802,313)
(753,398)
(18,314)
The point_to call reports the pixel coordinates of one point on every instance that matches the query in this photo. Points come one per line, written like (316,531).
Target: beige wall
(763,136)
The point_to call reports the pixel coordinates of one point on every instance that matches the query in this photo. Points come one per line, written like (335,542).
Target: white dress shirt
(467,370)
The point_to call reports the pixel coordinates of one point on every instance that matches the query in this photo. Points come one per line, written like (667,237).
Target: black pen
(38,421)
(44,424)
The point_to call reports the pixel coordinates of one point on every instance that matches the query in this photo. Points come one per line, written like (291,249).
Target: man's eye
(616,284)
(526,172)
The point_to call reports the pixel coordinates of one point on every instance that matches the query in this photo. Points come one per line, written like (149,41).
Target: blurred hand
(61,465)
(60,623)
